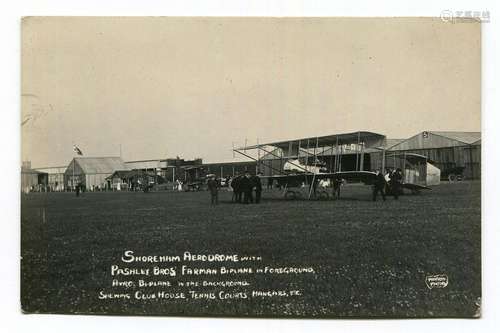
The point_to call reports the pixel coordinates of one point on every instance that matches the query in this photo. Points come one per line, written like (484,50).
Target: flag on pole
(77,150)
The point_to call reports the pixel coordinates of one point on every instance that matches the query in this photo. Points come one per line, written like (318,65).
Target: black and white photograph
(251,167)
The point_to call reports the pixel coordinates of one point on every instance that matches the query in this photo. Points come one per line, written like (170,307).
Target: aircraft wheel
(324,196)
(290,195)
(452,177)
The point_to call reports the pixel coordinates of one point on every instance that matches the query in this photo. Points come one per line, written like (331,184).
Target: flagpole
(78,152)
(73,180)
(73,168)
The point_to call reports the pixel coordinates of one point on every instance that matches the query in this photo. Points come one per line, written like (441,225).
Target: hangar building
(452,152)
(170,168)
(32,180)
(55,177)
(157,166)
(92,171)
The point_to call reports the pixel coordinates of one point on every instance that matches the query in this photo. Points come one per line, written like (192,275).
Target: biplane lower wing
(415,187)
(367,177)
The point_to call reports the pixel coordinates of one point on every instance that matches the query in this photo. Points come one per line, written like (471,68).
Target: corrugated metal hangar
(92,171)
(451,152)
(55,177)
(32,180)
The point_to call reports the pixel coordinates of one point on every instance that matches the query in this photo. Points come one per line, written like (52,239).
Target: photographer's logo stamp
(436,281)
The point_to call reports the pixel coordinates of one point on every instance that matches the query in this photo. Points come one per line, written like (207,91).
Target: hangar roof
(52,170)
(465,137)
(437,139)
(129,174)
(99,165)
(25,170)
(392,142)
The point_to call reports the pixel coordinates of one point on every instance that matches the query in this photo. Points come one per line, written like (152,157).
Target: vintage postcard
(251,167)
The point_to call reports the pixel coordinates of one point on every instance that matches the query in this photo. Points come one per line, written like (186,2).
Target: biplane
(317,167)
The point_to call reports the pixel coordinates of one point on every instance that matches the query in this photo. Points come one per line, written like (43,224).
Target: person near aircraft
(246,188)
(337,183)
(236,186)
(257,185)
(213,188)
(379,185)
(395,179)
(270,183)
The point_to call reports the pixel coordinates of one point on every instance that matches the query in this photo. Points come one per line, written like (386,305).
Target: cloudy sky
(194,86)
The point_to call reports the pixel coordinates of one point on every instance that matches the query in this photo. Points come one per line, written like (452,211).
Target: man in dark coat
(270,183)
(236,185)
(395,179)
(213,188)
(379,186)
(337,183)
(246,188)
(257,185)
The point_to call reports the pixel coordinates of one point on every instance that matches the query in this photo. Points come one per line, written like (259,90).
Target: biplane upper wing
(370,140)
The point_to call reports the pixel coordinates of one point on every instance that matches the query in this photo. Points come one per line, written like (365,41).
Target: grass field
(369,258)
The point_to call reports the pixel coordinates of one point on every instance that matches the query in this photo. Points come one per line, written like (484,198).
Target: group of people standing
(243,187)
(388,183)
